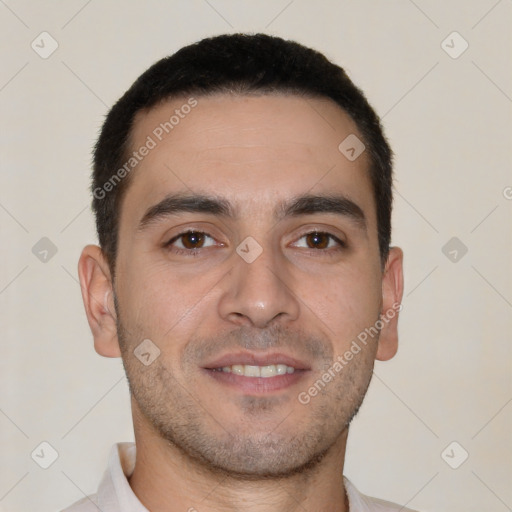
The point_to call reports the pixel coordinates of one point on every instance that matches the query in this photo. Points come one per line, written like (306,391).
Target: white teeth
(268,371)
(281,369)
(238,369)
(247,370)
(252,371)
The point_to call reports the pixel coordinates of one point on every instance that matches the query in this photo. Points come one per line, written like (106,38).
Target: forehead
(252,149)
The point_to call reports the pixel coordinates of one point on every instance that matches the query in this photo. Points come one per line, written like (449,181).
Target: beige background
(449,122)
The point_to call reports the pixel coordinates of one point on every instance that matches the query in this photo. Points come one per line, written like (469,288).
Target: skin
(203,443)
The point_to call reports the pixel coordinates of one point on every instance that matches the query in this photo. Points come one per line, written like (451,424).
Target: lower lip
(257,385)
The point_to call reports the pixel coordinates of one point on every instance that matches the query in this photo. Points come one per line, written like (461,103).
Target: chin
(259,457)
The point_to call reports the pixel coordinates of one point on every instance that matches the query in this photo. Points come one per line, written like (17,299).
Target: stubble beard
(169,406)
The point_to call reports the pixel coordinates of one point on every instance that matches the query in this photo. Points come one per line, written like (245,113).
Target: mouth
(256,374)
(265,372)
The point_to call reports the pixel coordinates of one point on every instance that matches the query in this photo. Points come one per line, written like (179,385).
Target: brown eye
(325,243)
(192,240)
(317,240)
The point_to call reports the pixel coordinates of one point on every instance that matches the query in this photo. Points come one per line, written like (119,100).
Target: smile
(265,372)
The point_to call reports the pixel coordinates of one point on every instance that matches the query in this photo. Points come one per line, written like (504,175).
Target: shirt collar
(114,492)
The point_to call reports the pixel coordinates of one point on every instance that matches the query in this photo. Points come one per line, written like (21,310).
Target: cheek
(164,305)
(344,304)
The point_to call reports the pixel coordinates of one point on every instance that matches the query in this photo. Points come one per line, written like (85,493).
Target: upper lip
(254,359)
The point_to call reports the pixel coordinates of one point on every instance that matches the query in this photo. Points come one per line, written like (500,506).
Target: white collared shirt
(115,494)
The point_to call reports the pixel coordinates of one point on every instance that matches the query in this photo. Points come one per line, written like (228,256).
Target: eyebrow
(307,204)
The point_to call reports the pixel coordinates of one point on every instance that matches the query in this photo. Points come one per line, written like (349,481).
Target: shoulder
(376,505)
(361,503)
(87,504)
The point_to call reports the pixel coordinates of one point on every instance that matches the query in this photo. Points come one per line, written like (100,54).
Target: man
(242,192)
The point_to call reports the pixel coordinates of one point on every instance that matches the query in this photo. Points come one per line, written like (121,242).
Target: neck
(167,480)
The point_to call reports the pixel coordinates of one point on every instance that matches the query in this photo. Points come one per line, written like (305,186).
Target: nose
(258,293)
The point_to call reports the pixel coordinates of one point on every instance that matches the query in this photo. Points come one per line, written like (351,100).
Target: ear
(392,291)
(97,294)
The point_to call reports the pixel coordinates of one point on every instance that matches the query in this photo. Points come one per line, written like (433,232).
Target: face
(248,257)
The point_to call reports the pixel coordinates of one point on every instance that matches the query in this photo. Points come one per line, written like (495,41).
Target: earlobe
(392,292)
(97,294)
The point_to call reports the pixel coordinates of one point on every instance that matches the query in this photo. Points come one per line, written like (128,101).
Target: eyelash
(195,252)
